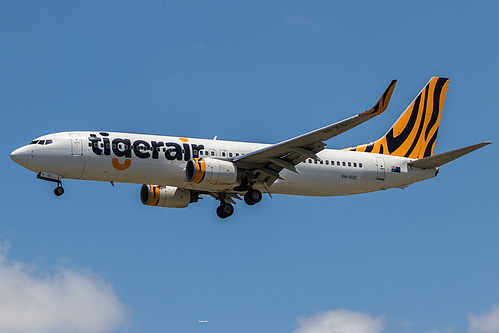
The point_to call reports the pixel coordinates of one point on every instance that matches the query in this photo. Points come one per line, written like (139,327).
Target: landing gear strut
(252,197)
(225,210)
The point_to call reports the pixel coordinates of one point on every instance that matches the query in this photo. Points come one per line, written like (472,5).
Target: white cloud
(340,321)
(65,300)
(485,322)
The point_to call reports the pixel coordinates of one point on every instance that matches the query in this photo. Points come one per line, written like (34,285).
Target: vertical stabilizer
(414,134)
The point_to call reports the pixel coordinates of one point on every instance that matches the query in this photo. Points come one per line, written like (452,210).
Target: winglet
(441,159)
(382,104)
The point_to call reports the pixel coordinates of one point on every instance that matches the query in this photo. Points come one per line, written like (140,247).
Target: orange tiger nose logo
(118,166)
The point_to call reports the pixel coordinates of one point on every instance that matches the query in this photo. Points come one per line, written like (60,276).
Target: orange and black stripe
(414,134)
(382,104)
(150,194)
(195,170)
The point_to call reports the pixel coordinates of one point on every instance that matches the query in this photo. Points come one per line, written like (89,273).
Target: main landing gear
(252,197)
(225,210)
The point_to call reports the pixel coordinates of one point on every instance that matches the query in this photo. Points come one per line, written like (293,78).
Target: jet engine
(210,171)
(166,196)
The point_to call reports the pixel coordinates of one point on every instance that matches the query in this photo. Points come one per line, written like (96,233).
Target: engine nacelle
(166,196)
(210,171)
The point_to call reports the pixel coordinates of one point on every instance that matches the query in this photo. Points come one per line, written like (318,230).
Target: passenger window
(327,162)
(41,142)
(315,161)
(360,165)
(321,162)
(230,154)
(310,160)
(344,164)
(107,144)
(114,145)
(354,165)
(212,153)
(332,162)
(223,154)
(237,154)
(338,163)
(200,152)
(349,164)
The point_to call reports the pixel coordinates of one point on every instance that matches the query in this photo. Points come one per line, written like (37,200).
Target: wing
(265,164)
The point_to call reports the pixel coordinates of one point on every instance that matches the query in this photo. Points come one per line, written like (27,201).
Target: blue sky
(423,259)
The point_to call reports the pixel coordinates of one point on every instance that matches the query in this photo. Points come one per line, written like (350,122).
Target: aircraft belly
(321,181)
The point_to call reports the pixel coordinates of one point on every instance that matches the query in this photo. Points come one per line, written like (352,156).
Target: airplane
(177,171)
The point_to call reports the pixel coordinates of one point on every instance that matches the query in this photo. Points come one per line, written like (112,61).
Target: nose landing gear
(59,190)
(52,177)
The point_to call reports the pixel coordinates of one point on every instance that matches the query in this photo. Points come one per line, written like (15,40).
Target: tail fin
(414,134)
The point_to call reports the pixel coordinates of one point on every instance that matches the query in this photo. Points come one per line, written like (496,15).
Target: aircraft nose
(20,156)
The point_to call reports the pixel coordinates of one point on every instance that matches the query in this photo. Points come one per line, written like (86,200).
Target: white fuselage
(161,160)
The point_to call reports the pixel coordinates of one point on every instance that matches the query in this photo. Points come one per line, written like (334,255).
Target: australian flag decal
(395,169)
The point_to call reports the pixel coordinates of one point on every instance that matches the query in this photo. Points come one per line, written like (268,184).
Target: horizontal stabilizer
(441,159)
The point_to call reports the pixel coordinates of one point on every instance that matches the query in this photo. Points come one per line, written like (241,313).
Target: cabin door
(76,146)
(380,166)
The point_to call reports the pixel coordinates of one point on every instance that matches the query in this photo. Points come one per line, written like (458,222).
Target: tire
(58,191)
(220,213)
(225,210)
(252,197)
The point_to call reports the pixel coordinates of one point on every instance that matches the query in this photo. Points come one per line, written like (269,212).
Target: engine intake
(166,196)
(210,171)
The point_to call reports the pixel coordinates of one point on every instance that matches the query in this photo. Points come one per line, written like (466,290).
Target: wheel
(58,191)
(253,197)
(225,210)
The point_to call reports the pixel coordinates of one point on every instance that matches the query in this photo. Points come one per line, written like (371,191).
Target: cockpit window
(41,142)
